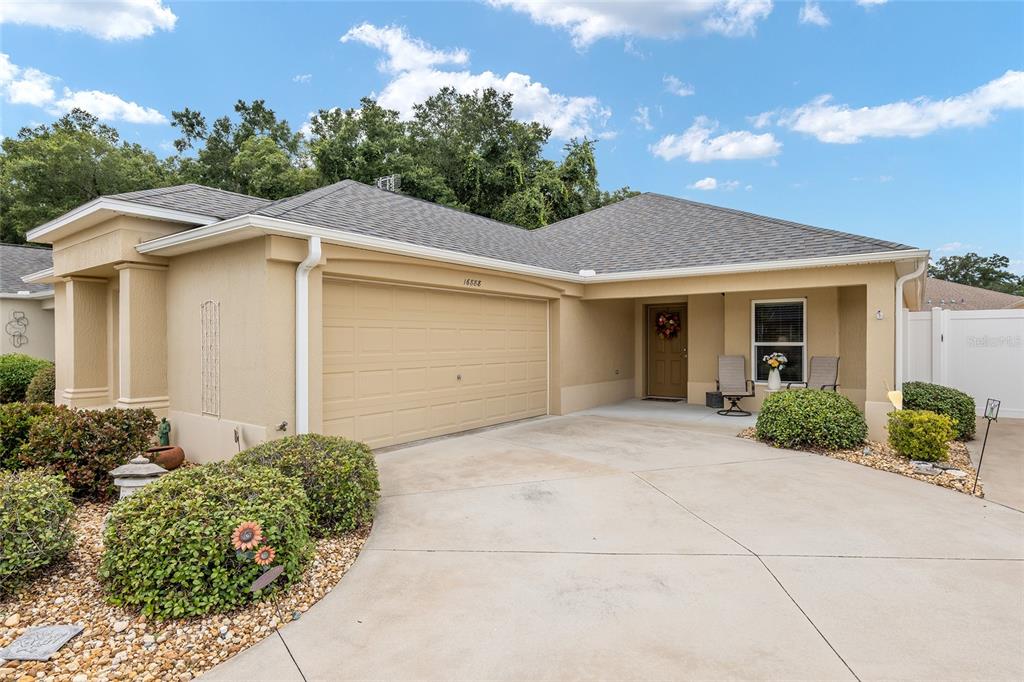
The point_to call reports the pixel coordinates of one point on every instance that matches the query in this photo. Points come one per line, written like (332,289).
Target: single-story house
(939,293)
(357,311)
(26,310)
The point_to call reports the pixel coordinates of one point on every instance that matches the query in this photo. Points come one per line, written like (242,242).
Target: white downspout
(900,320)
(302,335)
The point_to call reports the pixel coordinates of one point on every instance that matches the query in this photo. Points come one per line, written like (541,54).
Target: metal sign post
(991,414)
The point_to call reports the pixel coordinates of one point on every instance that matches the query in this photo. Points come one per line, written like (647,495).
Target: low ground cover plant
(193,542)
(36,515)
(85,445)
(811,418)
(918,395)
(16,372)
(921,434)
(338,475)
(42,386)
(16,421)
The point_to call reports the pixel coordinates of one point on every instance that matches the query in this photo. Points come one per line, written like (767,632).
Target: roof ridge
(783,221)
(36,247)
(157,191)
(599,208)
(333,187)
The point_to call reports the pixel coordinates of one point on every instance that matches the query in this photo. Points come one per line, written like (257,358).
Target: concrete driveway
(630,543)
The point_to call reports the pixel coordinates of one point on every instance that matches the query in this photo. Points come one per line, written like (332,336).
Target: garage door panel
(393,356)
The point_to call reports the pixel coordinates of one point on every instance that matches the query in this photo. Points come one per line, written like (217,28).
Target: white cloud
(811,13)
(871,3)
(404,53)
(708,184)
(677,87)
(950,247)
(839,124)
(885,178)
(414,81)
(588,22)
(109,20)
(31,86)
(698,144)
(302,78)
(643,118)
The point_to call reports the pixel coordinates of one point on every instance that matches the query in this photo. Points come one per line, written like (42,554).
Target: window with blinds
(779,327)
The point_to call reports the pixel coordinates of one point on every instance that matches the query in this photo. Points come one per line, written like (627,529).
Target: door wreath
(666,325)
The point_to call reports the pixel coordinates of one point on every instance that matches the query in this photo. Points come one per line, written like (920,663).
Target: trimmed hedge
(16,372)
(811,418)
(16,421)
(42,386)
(36,516)
(168,548)
(918,395)
(84,445)
(338,475)
(921,434)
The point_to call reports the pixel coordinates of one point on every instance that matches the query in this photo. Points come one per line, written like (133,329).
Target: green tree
(218,146)
(50,169)
(989,272)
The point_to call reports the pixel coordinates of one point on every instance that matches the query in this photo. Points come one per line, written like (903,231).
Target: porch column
(82,344)
(142,336)
(879,355)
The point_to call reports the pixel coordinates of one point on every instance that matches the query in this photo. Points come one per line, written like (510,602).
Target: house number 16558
(473,282)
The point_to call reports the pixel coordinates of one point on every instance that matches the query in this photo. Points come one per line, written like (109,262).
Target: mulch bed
(119,644)
(883,457)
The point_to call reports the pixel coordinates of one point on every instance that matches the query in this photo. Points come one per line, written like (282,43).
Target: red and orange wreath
(666,325)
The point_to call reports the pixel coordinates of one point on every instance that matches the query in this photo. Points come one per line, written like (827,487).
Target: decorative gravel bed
(120,644)
(883,457)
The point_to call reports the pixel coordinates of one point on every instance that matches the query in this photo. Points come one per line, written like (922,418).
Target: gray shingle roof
(16,261)
(653,231)
(646,232)
(192,198)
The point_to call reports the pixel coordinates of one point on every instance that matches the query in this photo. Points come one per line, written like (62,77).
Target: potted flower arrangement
(775,362)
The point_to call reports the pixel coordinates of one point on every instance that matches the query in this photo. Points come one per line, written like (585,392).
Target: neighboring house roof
(16,261)
(193,198)
(938,293)
(648,232)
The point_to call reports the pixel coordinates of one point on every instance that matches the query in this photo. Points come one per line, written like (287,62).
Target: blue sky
(901,120)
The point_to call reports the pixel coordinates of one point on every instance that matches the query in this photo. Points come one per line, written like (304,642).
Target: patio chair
(824,374)
(733,384)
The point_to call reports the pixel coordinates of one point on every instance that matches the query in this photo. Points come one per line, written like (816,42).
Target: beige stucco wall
(36,332)
(596,348)
(706,341)
(853,323)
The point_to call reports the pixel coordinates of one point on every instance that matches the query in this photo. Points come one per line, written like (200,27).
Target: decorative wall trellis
(210,330)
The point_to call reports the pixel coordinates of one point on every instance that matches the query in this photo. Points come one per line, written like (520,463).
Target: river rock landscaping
(119,643)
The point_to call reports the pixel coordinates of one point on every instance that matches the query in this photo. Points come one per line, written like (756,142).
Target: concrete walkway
(617,546)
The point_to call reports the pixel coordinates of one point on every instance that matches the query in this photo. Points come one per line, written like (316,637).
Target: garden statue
(164,432)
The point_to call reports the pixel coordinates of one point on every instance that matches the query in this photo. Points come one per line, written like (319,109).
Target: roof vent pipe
(302,335)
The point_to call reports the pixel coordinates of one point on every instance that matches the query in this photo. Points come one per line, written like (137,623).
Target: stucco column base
(159,404)
(85,397)
(876,413)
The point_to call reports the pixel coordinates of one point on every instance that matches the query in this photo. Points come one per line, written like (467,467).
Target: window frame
(754,343)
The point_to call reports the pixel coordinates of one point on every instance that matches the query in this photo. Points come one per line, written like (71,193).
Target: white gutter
(900,319)
(31,295)
(242,227)
(38,276)
(302,335)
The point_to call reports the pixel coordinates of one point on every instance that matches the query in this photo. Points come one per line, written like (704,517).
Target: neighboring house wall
(980,352)
(26,326)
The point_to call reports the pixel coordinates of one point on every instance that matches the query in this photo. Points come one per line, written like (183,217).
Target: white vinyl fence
(980,352)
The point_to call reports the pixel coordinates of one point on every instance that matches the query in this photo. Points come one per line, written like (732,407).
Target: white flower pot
(774,380)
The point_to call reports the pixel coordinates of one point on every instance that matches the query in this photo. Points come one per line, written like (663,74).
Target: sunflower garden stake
(246,541)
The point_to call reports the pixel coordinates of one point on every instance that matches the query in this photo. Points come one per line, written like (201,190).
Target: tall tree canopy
(462,150)
(989,272)
(50,169)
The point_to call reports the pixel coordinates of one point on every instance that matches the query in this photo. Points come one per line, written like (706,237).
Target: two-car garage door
(403,363)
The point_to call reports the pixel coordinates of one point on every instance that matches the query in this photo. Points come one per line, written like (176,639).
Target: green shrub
(168,547)
(84,445)
(16,420)
(811,418)
(36,516)
(42,386)
(16,372)
(921,434)
(338,475)
(917,395)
